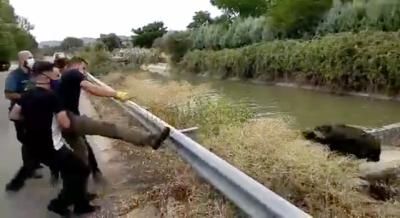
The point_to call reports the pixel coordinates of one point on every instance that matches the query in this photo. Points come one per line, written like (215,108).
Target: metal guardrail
(253,198)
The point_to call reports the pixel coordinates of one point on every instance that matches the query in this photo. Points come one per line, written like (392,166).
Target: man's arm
(11,88)
(63,120)
(96,90)
(61,115)
(15,113)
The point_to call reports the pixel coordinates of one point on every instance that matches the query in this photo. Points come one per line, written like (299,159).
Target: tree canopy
(14,32)
(71,43)
(200,18)
(297,17)
(7,46)
(244,8)
(145,36)
(111,41)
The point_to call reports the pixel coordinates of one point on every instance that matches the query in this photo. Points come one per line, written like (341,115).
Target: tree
(24,24)
(200,18)
(177,44)
(223,19)
(145,36)
(24,40)
(111,41)
(244,8)
(7,46)
(295,18)
(14,32)
(7,14)
(71,43)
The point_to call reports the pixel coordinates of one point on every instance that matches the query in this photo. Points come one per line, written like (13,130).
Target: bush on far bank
(101,62)
(364,62)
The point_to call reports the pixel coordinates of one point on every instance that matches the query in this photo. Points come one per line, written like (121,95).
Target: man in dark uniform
(36,109)
(16,83)
(69,91)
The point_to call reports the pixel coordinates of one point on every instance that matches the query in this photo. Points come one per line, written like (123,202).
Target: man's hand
(12,96)
(123,96)
(15,113)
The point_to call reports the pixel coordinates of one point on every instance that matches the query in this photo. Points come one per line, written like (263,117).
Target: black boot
(85,209)
(161,138)
(91,196)
(58,208)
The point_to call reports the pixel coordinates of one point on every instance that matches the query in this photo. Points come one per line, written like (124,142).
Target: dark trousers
(83,150)
(74,174)
(73,170)
(83,125)
(94,167)
(30,164)
(20,131)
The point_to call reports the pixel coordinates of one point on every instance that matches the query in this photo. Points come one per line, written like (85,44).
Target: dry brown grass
(275,155)
(152,94)
(269,150)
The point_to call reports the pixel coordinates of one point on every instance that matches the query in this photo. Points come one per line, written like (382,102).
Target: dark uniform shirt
(17,82)
(38,106)
(69,90)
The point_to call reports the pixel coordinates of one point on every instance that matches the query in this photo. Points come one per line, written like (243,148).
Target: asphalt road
(32,200)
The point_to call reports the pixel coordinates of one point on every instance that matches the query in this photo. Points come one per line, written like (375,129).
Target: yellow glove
(122,96)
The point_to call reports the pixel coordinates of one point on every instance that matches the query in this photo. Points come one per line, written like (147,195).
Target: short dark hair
(61,63)
(77,60)
(42,66)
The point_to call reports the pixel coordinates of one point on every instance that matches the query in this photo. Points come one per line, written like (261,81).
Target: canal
(307,108)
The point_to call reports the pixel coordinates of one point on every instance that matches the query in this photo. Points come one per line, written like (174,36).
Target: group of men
(44,107)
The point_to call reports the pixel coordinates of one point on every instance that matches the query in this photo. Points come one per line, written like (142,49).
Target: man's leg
(78,146)
(84,125)
(83,150)
(75,176)
(20,131)
(25,172)
(92,158)
(27,159)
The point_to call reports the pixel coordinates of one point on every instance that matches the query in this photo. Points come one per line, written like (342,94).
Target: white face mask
(30,62)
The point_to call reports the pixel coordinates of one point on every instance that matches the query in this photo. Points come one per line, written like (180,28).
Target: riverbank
(165,70)
(323,190)
(352,63)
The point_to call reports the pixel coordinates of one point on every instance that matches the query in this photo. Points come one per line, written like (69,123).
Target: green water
(307,108)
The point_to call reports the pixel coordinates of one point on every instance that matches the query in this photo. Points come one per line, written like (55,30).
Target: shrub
(295,18)
(241,32)
(99,60)
(177,44)
(367,61)
(139,56)
(380,15)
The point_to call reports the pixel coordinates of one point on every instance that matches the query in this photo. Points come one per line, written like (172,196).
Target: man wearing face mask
(16,84)
(37,109)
